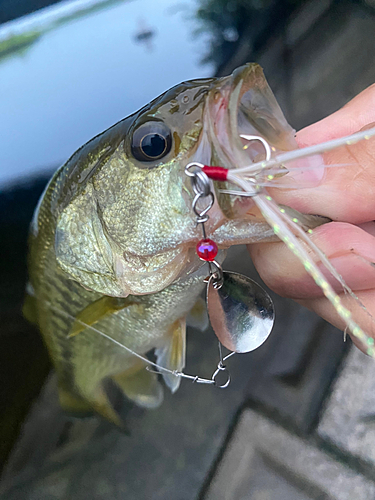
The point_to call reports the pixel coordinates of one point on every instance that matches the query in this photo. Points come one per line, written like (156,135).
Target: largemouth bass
(112,242)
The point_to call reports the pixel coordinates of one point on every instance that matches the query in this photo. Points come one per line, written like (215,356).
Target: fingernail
(307,172)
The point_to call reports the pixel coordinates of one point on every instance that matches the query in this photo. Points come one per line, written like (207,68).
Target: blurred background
(297,421)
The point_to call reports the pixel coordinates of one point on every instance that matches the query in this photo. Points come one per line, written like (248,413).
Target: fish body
(112,242)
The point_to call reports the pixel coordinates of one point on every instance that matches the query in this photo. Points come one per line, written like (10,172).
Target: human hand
(347,196)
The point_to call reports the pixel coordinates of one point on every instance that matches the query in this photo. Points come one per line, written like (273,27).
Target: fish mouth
(243,103)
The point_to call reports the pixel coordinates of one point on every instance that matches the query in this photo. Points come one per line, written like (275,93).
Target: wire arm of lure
(196,169)
(160,369)
(199,380)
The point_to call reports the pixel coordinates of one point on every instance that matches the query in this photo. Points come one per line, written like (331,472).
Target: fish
(112,260)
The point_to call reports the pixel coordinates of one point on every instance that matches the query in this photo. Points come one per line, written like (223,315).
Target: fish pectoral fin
(96,311)
(73,404)
(29,308)
(198,317)
(83,407)
(141,386)
(101,404)
(172,354)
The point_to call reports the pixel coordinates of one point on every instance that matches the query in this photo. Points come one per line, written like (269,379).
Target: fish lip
(221,121)
(244,103)
(221,116)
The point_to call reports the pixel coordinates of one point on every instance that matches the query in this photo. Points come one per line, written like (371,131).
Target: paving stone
(348,421)
(322,60)
(263,461)
(303,355)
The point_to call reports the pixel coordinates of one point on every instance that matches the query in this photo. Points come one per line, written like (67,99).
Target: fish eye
(151,141)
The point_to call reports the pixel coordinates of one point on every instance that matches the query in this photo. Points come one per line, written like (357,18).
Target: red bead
(207,249)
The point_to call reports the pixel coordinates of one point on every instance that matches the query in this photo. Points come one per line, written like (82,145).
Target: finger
(345,193)
(362,316)
(349,248)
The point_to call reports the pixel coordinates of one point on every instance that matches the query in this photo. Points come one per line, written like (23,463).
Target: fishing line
(308,167)
(194,378)
(282,178)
